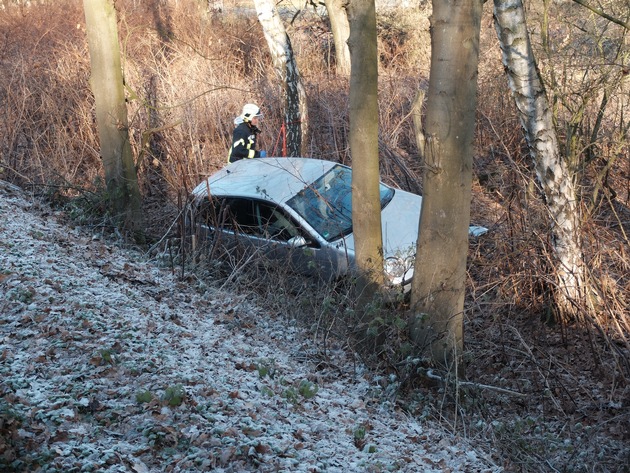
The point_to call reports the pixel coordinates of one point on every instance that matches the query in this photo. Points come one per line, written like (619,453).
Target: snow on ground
(109,363)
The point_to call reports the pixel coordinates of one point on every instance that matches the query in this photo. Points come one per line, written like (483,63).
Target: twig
(603,14)
(168,231)
(431,375)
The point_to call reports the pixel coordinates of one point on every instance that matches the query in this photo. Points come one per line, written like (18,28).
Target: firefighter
(245,133)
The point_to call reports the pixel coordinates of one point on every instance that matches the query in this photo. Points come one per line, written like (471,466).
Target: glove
(263,154)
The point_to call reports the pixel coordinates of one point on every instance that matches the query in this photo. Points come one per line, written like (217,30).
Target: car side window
(242,216)
(249,217)
(235,215)
(276,225)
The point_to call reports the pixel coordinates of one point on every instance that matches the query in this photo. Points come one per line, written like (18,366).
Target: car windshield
(326,204)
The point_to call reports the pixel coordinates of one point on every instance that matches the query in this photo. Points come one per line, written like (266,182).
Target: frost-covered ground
(109,363)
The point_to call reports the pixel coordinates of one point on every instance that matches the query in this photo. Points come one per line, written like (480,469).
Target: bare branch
(605,15)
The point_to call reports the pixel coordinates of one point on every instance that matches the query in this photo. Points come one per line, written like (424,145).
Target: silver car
(299,211)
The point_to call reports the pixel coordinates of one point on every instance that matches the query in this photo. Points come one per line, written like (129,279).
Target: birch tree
(363,137)
(295,105)
(340,29)
(554,174)
(438,286)
(111,112)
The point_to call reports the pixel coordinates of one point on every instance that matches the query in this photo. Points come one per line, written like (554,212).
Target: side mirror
(297,242)
(476,230)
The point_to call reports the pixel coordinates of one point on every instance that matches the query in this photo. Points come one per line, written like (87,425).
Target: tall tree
(340,28)
(363,137)
(111,113)
(295,105)
(437,293)
(553,172)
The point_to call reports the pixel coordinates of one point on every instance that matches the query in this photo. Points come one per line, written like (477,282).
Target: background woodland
(188,69)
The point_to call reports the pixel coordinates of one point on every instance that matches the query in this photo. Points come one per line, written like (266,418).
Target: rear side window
(247,216)
(236,215)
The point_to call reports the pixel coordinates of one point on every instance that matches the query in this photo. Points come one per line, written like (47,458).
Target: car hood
(399,221)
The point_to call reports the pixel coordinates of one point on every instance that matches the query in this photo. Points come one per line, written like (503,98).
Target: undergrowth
(539,392)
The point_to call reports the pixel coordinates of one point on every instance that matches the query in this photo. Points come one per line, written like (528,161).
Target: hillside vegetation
(542,394)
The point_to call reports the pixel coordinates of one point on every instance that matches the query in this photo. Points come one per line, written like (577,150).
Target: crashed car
(298,212)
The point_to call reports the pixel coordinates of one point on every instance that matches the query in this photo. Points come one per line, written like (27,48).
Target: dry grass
(188,73)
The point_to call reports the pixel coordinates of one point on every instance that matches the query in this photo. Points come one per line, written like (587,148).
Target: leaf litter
(110,363)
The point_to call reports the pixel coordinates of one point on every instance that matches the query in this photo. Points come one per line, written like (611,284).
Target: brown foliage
(188,74)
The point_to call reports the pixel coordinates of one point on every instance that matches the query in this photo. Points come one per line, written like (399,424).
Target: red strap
(283,135)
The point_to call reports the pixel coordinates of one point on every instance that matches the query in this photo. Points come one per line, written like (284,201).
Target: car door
(284,241)
(238,227)
(228,225)
(293,242)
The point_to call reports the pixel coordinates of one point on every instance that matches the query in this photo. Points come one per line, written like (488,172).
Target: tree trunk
(438,286)
(553,172)
(340,28)
(363,137)
(295,107)
(111,113)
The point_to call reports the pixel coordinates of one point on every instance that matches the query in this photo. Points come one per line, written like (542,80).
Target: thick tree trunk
(295,106)
(366,207)
(111,112)
(438,287)
(553,172)
(340,28)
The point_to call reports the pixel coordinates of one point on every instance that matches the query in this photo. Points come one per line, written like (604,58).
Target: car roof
(274,179)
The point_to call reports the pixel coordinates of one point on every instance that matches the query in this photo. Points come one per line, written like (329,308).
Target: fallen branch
(431,375)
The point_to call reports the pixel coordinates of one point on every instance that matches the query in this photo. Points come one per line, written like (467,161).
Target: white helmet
(250,111)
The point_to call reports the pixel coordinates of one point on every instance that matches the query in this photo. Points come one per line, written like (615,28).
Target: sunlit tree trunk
(295,107)
(363,136)
(437,297)
(416,114)
(553,172)
(111,112)
(340,28)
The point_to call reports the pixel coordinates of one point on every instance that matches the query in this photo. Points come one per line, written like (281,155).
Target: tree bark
(363,137)
(416,113)
(295,106)
(553,172)
(111,113)
(340,28)
(438,286)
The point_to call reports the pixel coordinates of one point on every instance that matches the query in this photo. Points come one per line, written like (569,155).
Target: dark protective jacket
(243,142)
